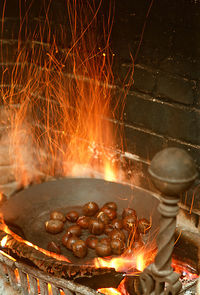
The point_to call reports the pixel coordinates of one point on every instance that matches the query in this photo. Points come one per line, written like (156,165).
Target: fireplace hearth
(135,77)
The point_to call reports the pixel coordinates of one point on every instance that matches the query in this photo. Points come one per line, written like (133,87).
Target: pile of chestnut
(117,232)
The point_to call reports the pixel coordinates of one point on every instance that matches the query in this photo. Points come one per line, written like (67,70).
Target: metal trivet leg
(172,171)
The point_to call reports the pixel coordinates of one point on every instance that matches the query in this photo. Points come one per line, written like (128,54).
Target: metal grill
(32,281)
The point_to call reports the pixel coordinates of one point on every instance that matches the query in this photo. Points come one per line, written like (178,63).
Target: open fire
(59,121)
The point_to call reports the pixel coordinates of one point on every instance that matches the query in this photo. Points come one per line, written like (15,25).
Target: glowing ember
(140,262)
(109,291)
(4,241)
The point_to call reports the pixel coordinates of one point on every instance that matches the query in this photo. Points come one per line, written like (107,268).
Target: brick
(163,118)
(175,88)
(186,67)
(146,144)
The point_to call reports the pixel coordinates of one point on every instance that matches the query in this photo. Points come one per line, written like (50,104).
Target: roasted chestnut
(111,205)
(103,217)
(144,226)
(57,215)
(117,223)
(72,216)
(53,247)
(74,230)
(54,226)
(91,242)
(128,211)
(68,243)
(96,227)
(112,214)
(117,246)
(105,241)
(108,229)
(90,209)
(66,237)
(117,234)
(130,222)
(103,249)
(83,221)
(79,249)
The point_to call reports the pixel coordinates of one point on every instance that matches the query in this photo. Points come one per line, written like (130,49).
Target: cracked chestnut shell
(83,221)
(108,229)
(96,227)
(54,226)
(103,249)
(103,217)
(79,249)
(72,216)
(90,209)
(117,223)
(53,247)
(57,215)
(74,230)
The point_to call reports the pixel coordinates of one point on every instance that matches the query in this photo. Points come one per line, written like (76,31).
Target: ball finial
(172,171)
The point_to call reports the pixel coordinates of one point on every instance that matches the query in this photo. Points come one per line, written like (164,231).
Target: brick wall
(163,105)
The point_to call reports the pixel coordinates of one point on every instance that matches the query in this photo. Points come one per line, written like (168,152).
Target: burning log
(52,265)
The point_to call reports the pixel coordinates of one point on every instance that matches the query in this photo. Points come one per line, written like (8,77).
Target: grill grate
(32,281)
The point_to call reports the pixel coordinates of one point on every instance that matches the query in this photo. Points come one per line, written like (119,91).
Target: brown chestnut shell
(74,230)
(56,215)
(54,226)
(103,249)
(96,227)
(90,209)
(79,249)
(72,216)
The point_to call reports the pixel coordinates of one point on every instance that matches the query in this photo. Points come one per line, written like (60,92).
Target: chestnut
(105,241)
(130,222)
(68,243)
(72,216)
(103,249)
(66,237)
(83,221)
(54,226)
(108,229)
(74,230)
(53,247)
(117,223)
(103,217)
(90,209)
(128,211)
(91,242)
(117,246)
(79,249)
(112,214)
(144,226)
(57,215)
(111,205)
(117,234)
(96,227)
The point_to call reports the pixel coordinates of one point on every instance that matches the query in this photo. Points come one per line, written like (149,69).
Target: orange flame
(109,291)
(60,123)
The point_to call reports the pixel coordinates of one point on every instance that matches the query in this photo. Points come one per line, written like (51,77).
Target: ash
(6,289)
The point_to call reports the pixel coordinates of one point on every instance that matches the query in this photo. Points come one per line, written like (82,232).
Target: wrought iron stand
(172,171)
